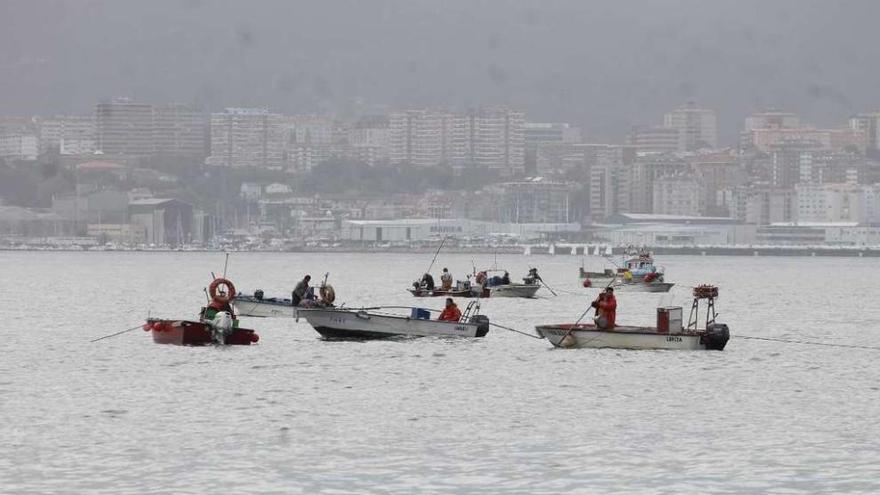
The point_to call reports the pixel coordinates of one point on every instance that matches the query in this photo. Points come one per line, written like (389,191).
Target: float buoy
(587,283)
(218,297)
(328,295)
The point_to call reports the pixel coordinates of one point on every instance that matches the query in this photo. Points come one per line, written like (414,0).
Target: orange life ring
(221,298)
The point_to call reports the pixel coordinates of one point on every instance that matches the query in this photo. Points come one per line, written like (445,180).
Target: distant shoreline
(566,250)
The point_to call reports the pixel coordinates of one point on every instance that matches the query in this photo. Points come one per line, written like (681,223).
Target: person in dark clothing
(428,282)
(301,290)
(505,280)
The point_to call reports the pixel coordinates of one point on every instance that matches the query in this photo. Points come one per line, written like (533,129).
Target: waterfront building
(696,127)
(247,137)
(124,127)
(180,130)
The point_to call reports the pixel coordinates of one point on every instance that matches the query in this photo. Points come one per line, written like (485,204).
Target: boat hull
(263,308)
(440,293)
(349,324)
(183,332)
(514,290)
(588,336)
(637,286)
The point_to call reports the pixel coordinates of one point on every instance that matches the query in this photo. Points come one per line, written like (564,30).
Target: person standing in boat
(301,290)
(606,309)
(450,312)
(446,280)
(505,279)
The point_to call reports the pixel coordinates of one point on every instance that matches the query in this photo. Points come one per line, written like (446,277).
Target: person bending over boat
(606,309)
(427,282)
(446,280)
(301,290)
(451,312)
(533,277)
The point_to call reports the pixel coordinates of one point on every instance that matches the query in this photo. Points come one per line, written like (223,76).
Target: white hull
(340,323)
(258,309)
(587,336)
(643,287)
(514,290)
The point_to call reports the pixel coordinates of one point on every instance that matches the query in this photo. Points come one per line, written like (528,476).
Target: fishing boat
(490,284)
(376,323)
(217,323)
(257,306)
(667,334)
(637,273)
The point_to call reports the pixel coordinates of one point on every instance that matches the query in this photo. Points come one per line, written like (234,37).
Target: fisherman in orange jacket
(451,312)
(606,307)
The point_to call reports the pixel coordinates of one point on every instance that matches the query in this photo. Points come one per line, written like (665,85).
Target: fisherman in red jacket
(606,307)
(451,312)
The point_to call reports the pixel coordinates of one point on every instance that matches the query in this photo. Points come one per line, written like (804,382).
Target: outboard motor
(482,322)
(222,326)
(258,294)
(716,336)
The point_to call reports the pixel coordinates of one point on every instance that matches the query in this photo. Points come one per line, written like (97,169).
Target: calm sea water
(501,414)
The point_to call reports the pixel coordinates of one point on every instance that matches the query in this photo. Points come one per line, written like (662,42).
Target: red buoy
(588,283)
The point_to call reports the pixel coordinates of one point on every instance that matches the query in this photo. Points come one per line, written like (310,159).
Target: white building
(19,146)
(70,134)
(247,137)
(697,127)
(678,195)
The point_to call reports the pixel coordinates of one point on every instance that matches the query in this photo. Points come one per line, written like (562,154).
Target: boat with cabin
(668,333)
(379,323)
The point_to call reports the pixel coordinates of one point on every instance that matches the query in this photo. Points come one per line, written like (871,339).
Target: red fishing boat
(217,323)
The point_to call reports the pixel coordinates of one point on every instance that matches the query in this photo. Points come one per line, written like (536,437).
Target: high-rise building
(124,127)
(697,127)
(247,137)
(869,124)
(489,137)
(180,129)
(677,195)
(654,139)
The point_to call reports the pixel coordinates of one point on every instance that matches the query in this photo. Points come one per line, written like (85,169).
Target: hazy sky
(603,64)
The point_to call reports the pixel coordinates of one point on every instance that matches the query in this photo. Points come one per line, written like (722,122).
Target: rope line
(807,342)
(516,331)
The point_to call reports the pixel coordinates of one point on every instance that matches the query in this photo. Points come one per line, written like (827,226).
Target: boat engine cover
(716,336)
(482,322)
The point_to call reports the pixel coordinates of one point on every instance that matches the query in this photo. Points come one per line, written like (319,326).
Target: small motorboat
(490,284)
(185,332)
(217,323)
(638,273)
(642,286)
(372,323)
(438,292)
(667,334)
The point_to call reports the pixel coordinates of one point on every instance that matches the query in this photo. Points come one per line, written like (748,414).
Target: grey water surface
(505,413)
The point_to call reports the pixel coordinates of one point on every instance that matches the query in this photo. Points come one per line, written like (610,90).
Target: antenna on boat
(225,264)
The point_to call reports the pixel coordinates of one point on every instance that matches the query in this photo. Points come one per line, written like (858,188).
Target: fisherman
(532,277)
(446,280)
(301,290)
(606,309)
(505,279)
(427,282)
(451,312)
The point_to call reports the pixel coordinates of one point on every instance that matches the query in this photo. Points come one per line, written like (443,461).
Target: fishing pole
(435,255)
(225,264)
(117,333)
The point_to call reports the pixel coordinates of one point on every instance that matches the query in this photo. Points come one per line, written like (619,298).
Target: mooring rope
(516,331)
(807,342)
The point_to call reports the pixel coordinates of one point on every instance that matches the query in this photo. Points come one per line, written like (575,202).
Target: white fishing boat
(373,323)
(667,334)
(496,283)
(257,306)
